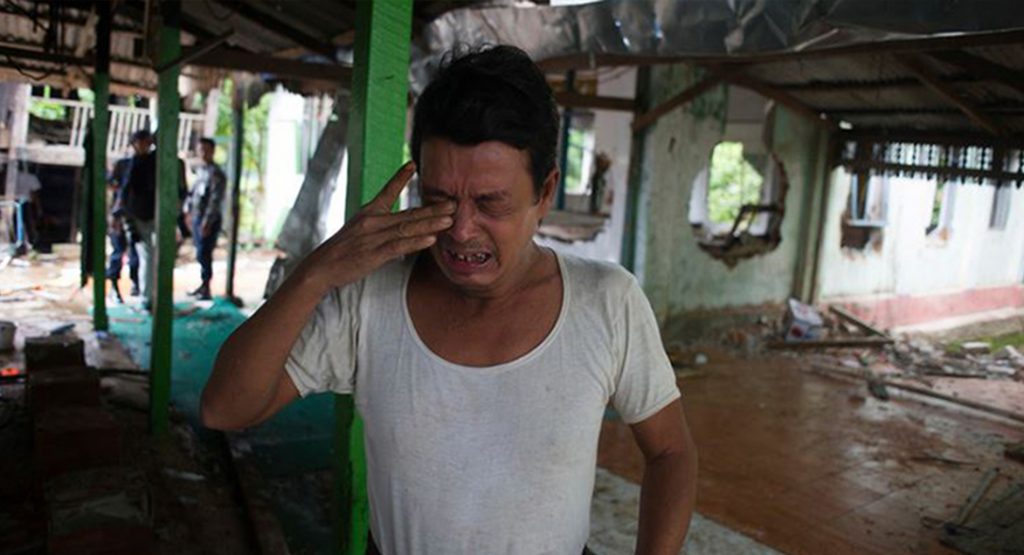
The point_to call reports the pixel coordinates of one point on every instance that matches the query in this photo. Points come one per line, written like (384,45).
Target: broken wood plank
(997,528)
(975,498)
(828,369)
(832,343)
(840,312)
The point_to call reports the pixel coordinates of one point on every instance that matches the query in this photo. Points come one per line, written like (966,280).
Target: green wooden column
(168,177)
(100,121)
(376,135)
(627,255)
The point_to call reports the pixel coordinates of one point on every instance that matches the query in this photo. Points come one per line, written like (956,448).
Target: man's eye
(493,206)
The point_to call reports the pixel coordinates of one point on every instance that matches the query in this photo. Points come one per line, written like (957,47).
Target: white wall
(612,136)
(910,263)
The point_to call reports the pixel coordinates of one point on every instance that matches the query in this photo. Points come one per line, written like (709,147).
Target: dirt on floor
(193,496)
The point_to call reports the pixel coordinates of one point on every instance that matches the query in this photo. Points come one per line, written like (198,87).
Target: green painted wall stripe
(376,136)
(168,178)
(98,165)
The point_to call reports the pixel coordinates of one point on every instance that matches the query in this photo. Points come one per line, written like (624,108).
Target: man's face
(206,152)
(141,146)
(490,244)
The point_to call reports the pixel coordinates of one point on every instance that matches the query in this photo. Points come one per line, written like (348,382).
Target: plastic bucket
(7,335)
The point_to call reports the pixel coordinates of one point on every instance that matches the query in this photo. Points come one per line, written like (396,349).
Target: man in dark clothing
(204,207)
(137,203)
(118,237)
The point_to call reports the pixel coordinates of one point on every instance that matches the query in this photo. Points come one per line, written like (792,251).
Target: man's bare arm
(248,383)
(668,495)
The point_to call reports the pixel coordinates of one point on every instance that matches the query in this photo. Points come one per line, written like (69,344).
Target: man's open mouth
(470,258)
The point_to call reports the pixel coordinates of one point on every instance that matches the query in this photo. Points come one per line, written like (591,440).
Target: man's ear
(547,192)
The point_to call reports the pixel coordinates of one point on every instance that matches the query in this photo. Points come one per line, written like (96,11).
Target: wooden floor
(809,464)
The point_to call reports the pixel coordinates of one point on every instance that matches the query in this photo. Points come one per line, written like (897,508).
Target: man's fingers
(411,228)
(376,222)
(404,246)
(389,194)
(446,208)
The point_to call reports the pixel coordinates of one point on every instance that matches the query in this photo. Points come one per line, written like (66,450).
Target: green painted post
(375,140)
(168,178)
(634,181)
(98,164)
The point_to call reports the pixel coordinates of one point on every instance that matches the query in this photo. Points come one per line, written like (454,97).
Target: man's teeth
(477,258)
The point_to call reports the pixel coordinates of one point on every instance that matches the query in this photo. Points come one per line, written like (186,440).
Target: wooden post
(168,179)
(98,164)
(376,135)
(237,141)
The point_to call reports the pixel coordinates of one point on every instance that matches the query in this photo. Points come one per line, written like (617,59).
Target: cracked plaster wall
(676,274)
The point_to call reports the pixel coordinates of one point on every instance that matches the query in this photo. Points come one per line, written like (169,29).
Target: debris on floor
(997,527)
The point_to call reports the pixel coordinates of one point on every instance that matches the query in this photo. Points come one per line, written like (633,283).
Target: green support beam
(98,165)
(634,181)
(168,177)
(376,137)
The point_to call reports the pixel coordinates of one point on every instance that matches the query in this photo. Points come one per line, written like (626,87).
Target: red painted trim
(908,310)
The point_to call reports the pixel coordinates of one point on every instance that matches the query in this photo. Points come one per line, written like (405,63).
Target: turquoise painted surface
(292,450)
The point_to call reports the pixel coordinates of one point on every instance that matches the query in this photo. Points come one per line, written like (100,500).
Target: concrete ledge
(992,322)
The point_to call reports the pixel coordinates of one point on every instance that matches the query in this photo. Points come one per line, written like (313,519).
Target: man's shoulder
(596,275)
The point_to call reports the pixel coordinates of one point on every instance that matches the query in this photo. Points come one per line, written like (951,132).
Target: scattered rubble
(976,348)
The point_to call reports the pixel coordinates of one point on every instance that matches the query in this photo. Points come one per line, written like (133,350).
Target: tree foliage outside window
(574,178)
(253,156)
(733,182)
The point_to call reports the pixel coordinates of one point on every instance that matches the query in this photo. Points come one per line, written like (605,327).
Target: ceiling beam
(970,40)
(917,68)
(982,67)
(587,101)
(989,110)
(344,40)
(195,52)
(239,60)
(856,86)
(66,18)
(222,58)
(974,138)
(274,24)
(784,98)
(648,118)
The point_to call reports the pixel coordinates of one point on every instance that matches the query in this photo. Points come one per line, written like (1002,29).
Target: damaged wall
(967,266)
(678,276)
(612,136)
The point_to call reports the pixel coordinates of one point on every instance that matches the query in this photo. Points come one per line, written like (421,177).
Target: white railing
(124,120)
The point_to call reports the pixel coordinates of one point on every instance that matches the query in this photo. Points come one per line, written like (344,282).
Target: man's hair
(141,135)
(208,141)
(490,94)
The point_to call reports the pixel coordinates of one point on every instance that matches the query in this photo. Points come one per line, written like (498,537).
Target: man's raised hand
(375,236)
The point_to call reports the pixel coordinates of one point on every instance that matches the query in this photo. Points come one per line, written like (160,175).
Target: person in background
(116,232)
(204,208)
(26,193)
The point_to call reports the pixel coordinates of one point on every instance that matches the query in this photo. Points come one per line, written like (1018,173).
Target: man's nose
(463,226)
